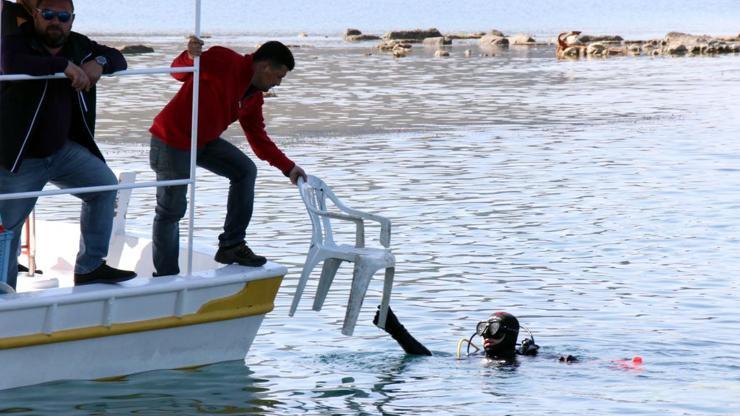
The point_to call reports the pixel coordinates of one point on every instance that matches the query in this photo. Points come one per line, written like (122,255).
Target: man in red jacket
(232,87)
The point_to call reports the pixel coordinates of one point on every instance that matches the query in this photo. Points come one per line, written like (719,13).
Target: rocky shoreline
(576,45)
(569,45)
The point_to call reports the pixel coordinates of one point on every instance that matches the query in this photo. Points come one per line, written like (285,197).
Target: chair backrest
(314,193)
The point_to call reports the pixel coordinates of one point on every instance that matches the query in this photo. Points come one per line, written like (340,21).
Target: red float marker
(634,364)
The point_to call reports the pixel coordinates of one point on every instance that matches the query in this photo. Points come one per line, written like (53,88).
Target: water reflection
(595,200)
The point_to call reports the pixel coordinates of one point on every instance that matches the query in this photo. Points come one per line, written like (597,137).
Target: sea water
(628,17)
(596,200)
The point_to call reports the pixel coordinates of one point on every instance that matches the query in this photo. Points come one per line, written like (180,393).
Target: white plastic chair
(366,261)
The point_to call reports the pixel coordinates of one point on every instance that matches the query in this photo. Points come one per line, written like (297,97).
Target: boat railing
(191,180)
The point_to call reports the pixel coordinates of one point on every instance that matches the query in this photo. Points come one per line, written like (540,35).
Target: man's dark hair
(275,52)
(71,3)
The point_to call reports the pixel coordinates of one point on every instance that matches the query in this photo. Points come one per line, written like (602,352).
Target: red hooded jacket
(225,77)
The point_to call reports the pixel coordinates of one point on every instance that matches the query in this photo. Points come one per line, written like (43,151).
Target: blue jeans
(169,163)
(73,166)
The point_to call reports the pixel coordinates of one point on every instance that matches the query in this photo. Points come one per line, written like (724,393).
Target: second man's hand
(195,47)
(79,78)
(94,71)
(296,173)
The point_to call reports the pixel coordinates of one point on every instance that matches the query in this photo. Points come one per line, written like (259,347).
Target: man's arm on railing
(116,61)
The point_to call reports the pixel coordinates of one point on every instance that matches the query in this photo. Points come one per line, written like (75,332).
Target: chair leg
(327,277)
(311,261)
(360,282)
(387,288)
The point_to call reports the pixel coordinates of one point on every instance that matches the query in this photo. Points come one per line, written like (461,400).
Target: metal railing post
(194,141)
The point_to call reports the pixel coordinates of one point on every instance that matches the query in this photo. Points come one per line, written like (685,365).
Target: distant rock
(597,49)
(354,35)
(400,52)
(677,50)
(390,45)
(600,38)
(677,43)
(572,52)
(468,53)
(440,53)
(730,38)
(437,42)
(361,38)
(476,35)
(521,39)
(675,38)
(417,34)
(136,49)
(492,40)
(495,32)
(303,35)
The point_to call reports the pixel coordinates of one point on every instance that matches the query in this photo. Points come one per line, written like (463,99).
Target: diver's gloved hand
(392,325)
(401,335)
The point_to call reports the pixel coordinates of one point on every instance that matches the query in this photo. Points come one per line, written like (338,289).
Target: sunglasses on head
(51,14)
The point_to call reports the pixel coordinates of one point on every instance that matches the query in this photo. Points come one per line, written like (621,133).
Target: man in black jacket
(15,14)
(47,130)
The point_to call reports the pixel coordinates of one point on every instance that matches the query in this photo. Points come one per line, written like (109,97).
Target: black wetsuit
(401,335)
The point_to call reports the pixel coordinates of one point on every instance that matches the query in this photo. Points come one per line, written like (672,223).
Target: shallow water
(596,200)
(539,17)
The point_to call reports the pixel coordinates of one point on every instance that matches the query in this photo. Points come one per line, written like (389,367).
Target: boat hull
(125,354)
(53,330)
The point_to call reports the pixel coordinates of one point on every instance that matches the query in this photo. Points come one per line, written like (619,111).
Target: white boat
(52,330)
(210,314)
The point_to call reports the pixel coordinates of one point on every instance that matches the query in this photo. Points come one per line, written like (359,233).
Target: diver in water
(499,333)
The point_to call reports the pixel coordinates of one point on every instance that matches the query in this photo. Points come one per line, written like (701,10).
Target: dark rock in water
(417,34)
(354,35)
(678,50)
(604,38)
(134,49)
(360,38)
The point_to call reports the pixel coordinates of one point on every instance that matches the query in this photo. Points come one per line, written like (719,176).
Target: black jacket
(12,17)
(20,101)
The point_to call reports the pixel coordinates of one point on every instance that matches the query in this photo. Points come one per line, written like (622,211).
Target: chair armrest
(359,223)
(385,223)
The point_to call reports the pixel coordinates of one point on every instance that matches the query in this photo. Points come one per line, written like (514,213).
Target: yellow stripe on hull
(256,298)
